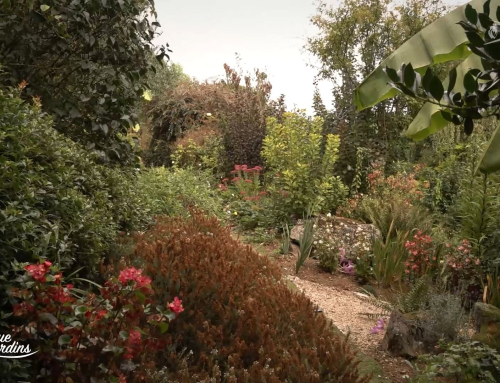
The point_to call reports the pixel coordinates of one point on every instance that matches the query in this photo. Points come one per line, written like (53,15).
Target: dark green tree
(86,60)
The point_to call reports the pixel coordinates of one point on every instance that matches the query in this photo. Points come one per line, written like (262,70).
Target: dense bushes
(240,321)
(171,191)
(113,336)
(237,115)
(88,62)
(55,201)
(293,150)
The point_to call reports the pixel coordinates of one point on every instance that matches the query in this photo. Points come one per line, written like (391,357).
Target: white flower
(320,241)
(209,114)
(315,242)
(329,215)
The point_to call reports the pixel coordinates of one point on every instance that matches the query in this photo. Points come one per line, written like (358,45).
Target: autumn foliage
(240,320)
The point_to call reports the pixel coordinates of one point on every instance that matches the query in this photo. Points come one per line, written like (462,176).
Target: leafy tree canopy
(87,61)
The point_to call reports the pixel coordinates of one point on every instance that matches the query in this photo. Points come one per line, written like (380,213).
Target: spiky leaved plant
(305,243)
(412,301)
(285,244)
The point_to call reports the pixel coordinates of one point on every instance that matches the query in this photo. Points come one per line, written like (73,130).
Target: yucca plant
(305,243)
(389,258)
(285,244)
(492,289)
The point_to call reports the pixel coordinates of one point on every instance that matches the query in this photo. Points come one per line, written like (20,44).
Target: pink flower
(176,306)
(257,168)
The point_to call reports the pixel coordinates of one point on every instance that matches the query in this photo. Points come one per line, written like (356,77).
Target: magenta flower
(379,327)
(348,268)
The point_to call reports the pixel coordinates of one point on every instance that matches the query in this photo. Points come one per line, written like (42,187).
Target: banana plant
(470,92)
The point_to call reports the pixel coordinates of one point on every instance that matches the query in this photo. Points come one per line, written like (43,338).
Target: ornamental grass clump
(240,320)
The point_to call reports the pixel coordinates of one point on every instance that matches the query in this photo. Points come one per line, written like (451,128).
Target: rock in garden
(401,337)
(348,233)
(487,321)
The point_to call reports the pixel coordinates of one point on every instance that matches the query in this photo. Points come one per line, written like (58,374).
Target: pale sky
(267,34)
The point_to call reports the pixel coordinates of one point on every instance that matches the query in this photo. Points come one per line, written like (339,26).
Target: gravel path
(344,308)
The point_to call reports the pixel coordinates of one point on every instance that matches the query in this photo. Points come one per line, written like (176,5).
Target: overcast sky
(267,34)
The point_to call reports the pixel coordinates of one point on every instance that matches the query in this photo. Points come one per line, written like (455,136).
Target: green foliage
(464,362)
(394,216)
(352,38)
(204,156)
(408,302)
(493,289)
(466,95)
(306,241)
(476,210)
(86,60)
(165,77)
(55,201)
(293,150)
(389,258)
(285,240)
(171,191)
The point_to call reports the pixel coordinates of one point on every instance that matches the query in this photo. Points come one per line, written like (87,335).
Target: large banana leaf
(441,41)
(429,119)
(444,40)
(491,158)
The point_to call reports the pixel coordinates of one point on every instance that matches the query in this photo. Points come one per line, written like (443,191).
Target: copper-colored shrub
(239,318)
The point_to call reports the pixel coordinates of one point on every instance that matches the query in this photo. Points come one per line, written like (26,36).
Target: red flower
(248,181)
(58,294)
(225,180)
(237,167)
(235,179)
(132,274)
(176,306)
(122,378)
(22,309)
(222,187)
(57,278)
(134,338)
(100,314)
(244,167)
(258,168)
(38,271)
